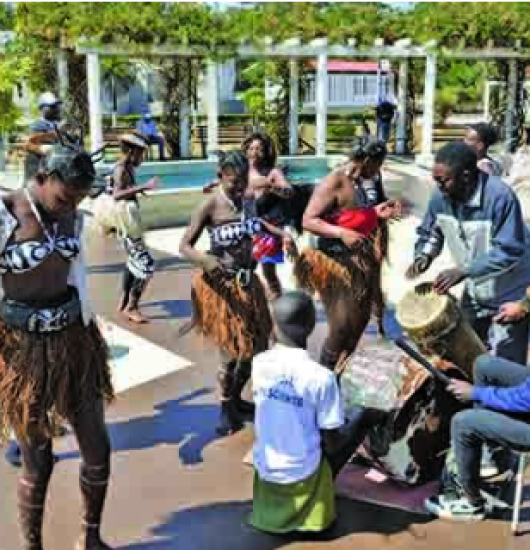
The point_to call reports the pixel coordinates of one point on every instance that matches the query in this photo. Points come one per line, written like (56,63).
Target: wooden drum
(437,326)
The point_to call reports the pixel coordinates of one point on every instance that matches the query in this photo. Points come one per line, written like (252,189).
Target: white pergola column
(428,109)
(212,106)
(321,101)
(293,106)
(62,74)
(486,100)
(401,129)
(509,121)
(184,127)
(94,100)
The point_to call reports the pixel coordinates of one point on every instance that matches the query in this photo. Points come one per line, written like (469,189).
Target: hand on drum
(463,391)
(420,265)
(447,279)
(512,312)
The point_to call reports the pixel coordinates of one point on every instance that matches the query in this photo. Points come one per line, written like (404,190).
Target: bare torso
(46,284)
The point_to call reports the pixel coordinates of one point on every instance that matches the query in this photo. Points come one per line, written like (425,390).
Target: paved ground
(175,485)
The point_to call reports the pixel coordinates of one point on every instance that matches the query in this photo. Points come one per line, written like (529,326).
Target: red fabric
(265,245)
(362,220)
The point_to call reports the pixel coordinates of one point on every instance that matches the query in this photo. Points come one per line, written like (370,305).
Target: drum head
(420,307)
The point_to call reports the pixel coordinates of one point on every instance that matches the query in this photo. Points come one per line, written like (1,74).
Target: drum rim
(424,323)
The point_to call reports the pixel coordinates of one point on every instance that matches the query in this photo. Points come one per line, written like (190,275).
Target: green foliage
(6,17)
(42,28)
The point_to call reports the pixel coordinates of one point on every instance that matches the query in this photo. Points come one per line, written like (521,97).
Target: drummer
(301,440)
(479,218)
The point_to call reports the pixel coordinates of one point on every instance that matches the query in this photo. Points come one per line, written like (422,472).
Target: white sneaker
(454,507)
(488,468)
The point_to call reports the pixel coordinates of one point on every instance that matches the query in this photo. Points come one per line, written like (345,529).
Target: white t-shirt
(295,398)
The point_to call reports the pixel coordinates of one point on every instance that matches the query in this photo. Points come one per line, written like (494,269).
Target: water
(184,178)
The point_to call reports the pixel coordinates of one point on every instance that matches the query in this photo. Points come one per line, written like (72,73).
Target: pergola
(293,49)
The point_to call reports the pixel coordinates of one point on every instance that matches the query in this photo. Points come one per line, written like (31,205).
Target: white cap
(48,99)
(134,139)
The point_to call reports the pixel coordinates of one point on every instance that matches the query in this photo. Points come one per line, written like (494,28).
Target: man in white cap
(42,133)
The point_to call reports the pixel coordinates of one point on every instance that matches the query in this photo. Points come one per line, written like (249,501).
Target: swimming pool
(192,175)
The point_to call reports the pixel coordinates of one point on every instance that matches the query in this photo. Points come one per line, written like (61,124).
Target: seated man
(301,443)
(146,126)
(501,417)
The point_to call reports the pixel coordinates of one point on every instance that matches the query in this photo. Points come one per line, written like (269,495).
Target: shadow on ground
(223,526)
(177,422)
(168,309)
(170,263)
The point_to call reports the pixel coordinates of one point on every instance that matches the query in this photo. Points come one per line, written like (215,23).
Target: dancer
(345,269)
(270,188)
(371,153)
(53,357)
(140,264)
(229,302)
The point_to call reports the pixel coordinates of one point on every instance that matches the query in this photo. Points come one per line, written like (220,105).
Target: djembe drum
(410,446)
(437,326)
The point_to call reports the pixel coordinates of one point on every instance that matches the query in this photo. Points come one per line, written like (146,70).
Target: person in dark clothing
(480,137)
(42,133)
(385,114)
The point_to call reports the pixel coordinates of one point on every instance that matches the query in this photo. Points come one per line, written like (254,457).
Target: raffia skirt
(353,276)
(235,317)
(57,373)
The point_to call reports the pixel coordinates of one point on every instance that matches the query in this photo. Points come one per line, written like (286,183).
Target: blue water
(181,178)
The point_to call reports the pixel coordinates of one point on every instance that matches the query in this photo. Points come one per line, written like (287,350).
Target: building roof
(340,66)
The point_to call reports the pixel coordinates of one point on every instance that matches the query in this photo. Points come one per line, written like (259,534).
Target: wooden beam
(289,48)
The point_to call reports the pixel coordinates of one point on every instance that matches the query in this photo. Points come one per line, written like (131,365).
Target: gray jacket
(487,238)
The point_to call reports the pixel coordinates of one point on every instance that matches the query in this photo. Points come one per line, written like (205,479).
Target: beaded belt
(40,320)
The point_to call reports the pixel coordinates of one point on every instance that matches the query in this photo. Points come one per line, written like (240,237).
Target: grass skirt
(43,373)
(352,276)
(236,318)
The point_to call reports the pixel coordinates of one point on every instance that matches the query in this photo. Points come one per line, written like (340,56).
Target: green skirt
(307,505)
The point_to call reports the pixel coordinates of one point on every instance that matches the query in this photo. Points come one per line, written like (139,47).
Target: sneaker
(497,462)
(456,508)
(488,467)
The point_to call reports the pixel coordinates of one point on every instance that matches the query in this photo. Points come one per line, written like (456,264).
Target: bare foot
(134,316)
